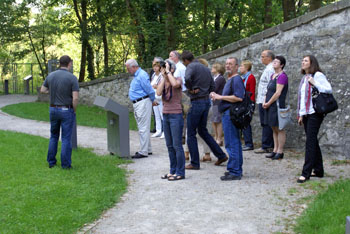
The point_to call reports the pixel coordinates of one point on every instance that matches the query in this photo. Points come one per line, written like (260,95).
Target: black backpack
(241,113)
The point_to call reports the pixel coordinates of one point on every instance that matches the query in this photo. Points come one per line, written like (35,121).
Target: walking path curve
(264,201)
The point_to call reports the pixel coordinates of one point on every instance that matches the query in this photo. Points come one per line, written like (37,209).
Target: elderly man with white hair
(142,95)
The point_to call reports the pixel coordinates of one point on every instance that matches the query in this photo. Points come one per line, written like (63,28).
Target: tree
(315,4)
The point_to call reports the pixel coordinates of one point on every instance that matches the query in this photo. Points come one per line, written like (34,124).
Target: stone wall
(324,33)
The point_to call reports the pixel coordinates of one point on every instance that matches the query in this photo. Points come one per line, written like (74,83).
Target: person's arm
(160,87)
(231,98)
(188,77)
(176,83)
(44,89)
(146,85)
(275,96)
(320,82)
(75,95)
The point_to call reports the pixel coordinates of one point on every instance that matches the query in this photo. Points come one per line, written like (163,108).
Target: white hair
(131,63)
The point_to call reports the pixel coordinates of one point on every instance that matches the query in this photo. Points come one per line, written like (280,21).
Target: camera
(162,64)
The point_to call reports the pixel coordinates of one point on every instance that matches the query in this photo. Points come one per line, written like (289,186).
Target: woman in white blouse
(313,77)
(158,108)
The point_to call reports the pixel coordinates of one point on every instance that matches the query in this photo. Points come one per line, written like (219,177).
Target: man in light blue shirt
(142,95)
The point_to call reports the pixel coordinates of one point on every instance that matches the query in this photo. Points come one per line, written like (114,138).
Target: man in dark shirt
(199,83)
(64,92)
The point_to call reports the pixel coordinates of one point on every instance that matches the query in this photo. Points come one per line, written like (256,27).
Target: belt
(199,98)
(140,99)
(61,106)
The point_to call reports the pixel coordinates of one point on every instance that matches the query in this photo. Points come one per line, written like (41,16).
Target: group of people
(182,91)
(189,91)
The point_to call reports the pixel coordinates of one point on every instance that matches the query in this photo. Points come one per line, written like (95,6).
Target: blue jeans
(248,137)
(61,117)
(197,120)
(233,145)
(173,125)
(267,134)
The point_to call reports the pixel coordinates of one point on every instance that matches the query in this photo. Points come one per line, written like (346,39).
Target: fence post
(6,87)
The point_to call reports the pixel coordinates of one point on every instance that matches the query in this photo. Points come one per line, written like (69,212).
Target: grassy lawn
(37,199)
(327,213)
(91,116)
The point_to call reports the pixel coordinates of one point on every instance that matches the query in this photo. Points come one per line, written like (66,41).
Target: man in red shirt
(249,84)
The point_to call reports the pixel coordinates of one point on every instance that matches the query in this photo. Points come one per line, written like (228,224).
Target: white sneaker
(157,134)
(162,136)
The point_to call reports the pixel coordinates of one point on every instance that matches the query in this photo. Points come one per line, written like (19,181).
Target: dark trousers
(197,121)
(313,155)
(267,134)
(248,137)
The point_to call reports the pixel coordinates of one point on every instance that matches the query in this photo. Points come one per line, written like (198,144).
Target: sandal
(175,177)
(302,179)
(166,176)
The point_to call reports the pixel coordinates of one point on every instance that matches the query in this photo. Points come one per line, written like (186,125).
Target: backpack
(241,113)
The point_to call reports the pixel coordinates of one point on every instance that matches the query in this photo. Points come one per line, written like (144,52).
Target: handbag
(323,103)
(284,115)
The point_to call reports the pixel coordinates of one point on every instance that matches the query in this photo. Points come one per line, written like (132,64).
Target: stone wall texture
(324,33)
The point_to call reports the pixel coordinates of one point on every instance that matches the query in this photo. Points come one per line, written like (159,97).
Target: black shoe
(138,155)
(150,153)
(302,179)
(270,155)
(247,148)
(227,177)
(51,166)
(278,156)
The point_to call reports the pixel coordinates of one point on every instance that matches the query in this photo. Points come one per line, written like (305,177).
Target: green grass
(340,162)
(327,212)
(37,199)
(91,116)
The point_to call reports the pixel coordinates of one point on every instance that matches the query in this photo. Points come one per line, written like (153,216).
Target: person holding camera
(171,91)
(199,83)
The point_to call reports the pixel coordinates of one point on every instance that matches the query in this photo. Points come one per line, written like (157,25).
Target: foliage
(91,116)
(107,32)
(327,213)
(37,199)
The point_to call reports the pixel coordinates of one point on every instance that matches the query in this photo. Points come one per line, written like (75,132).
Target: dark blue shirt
(233,86)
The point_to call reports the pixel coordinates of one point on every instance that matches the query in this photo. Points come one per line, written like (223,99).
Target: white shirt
(321,84)
(263,82)
(180,72)
(155,81)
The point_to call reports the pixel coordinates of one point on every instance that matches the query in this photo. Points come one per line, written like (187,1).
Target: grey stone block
(289,24)
(270,32)
(323,11)
(347,229)
(243,43)
(230,48)
(256,37)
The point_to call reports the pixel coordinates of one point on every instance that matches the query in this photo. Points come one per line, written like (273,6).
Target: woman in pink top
(171,91)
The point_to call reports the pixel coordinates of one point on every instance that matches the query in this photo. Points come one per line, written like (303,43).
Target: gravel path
(264,201)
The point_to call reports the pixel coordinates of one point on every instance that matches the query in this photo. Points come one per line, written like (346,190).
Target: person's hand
(155,103)
(265,105)
(300,120)
(311,80)
(167,68)
(214,96)
(162,70)
(155,86)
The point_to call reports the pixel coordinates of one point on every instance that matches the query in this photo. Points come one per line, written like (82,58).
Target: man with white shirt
(267,56)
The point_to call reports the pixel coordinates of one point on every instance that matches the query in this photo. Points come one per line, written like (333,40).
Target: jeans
(267,134)
(233,145)
(248,137)
(173,125)
(197,120)
(61,118)
(313,154)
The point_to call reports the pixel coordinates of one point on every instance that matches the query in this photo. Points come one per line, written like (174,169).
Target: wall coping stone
(286,26)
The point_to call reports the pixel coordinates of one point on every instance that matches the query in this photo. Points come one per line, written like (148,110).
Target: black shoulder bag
(323,103)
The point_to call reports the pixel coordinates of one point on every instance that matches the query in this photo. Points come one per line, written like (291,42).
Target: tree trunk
(315,4)
(141,47)
(90,60)
(288,10)
(205,27)
(268,14)
(104,38)
(83,35)
(35,53)
(217,28)
(169,24)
